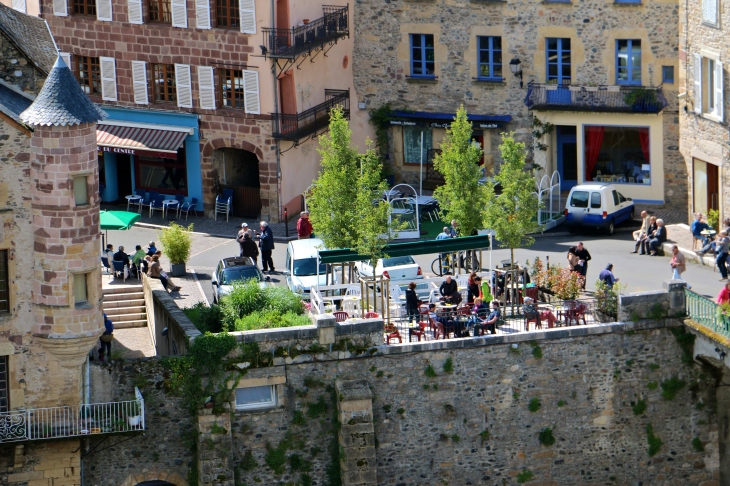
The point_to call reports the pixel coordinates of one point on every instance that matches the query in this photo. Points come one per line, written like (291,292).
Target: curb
(280,239)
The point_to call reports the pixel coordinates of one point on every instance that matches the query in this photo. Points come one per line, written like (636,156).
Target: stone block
(25,476)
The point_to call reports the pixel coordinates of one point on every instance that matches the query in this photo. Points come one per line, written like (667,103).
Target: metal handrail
(299,125)
(706,313)
(289,43)
(73,421)
(567,97)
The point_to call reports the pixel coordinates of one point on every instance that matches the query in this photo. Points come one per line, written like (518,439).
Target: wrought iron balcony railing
(612,99)
(289,43)
(73,421)
(296,127)
(707,313)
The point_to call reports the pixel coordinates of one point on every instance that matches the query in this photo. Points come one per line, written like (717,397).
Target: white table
(169,202)
(133,200)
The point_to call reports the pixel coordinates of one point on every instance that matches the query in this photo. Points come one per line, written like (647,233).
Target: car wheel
(610,227)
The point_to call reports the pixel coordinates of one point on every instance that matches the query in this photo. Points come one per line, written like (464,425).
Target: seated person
(480,307)
(155,271)
(493,318)
(120,256)
(697,227)
(107,255)
(450,291)
(137,258)
(531,311)
(658,237)
(445,322)
(644,241)
(151,250)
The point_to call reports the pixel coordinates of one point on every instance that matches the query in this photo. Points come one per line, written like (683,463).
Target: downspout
(87,396)
(276,110)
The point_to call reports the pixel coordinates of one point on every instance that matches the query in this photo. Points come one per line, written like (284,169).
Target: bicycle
(466,260)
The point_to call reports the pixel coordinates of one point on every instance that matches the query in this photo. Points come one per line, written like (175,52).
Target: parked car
(597,205)
(234,269)
(301,266)
(395,268)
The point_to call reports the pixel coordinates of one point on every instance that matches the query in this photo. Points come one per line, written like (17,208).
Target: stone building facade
(703,52)
(426,58)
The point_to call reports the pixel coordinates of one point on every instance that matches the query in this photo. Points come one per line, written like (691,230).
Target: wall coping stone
(350,390)
(278,334)
(163,298)
(324,320)
(647,297)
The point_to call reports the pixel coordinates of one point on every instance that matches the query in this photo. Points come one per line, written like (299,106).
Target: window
(80,293)
(620,155)
(88,74)
(668,74)
(164,83)
(232,88)
(708,100)
(80,196)
(709,12)
(615,197)
(160,11)
(628,61)
(166,176)
(4,385)
(558,61)
(255,397)
(422,55)
(4,283)
(595,200)
(85,7)
(709,79)
(412,144)
(579,199)
(490,58)
(226,14)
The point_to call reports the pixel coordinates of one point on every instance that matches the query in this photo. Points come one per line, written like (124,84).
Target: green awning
(415,248)
(117,220)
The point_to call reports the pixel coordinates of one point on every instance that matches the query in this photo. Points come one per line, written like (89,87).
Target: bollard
(286,221)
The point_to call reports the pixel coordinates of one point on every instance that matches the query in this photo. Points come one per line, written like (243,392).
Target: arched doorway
(155,483)
(238,170)
(155,478)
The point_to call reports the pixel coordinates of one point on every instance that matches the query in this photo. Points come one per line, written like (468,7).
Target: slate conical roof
(61,101)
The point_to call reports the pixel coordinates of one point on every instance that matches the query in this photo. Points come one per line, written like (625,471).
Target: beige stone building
(703,49)
(602,74)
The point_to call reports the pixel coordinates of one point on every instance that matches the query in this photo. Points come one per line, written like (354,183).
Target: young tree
(512,214)
(462,197)
(372,218)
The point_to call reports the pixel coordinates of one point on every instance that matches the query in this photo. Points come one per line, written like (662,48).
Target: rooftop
(30,35)
(13,102)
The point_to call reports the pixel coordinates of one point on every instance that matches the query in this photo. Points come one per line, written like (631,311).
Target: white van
(597,205)
(301,266)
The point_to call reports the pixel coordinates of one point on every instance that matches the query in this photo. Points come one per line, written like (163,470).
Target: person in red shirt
(724,295)
(304,226)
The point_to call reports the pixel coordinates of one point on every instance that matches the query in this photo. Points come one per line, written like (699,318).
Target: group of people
(578,258)
(650,236)
(719,245)
(250,249)
(144,261)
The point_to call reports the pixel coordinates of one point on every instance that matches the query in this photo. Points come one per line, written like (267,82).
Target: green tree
(512,214)
(462,197)
(372,219)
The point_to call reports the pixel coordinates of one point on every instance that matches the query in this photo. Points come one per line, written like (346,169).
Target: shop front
(143,150)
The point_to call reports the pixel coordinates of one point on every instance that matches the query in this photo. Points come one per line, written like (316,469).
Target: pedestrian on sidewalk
(721,248)
(640,234)
(266,243)
(239,237)
(106,339)
(249,248)
(304,226)
(678,264)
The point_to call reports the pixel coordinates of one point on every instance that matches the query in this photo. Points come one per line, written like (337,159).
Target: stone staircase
(124,306)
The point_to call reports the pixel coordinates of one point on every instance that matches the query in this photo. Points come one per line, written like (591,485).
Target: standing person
(106,339)
(412,302)
(606,276)
(485,293)
(724,295)
(450,291)
(304,226)
(249,248)
(658,237)
(472,288)
(721,248)
(266,243)
(678,264)
(583,259)
(454,231)
(239,237)
(641,232)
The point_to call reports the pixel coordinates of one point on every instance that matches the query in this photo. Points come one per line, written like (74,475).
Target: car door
(289,268)
(621,209)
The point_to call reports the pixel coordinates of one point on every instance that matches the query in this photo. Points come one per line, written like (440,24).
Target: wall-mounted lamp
(264,50)
(516,67)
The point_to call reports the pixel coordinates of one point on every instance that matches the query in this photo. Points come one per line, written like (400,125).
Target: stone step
(114,304)
(121,289)
(132,309)
(132,316)
(130,324)
(125,296)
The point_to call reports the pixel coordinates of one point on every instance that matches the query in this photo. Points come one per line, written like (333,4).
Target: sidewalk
(680,235)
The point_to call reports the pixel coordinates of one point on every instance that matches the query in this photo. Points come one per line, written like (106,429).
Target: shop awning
(138,139)
(443,120)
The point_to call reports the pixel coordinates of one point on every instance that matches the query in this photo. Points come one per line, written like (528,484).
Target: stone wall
(16,70)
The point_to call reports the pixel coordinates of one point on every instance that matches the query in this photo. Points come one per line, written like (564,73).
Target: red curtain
(644,138)
(593,141)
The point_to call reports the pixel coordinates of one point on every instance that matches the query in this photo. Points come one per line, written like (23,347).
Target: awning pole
(420,175)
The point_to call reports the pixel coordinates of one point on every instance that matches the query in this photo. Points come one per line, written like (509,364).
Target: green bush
(534,405)
(176,242)
(448,365)
(283,300)
(639,408)
(206,319)
(249,307)
(270,319)
(546,437)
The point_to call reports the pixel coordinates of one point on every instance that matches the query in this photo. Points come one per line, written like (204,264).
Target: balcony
(609,99)
(296,127)
(290,43)
(73,422)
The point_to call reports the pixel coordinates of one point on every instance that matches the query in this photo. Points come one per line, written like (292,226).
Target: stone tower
(64,175)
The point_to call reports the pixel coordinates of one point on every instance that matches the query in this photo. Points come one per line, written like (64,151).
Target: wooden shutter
(202,14)
(247,9)
(182,83)
(60,8)
(719,111)
(139,81)
(108,69)
(698,83)
(104,10)
(19,5)
(66,58)
(179,13)
(251,92)
(206,87)
(134,11)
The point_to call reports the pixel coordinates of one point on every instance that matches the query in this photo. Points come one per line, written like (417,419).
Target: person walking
(583,259)
(304,226)
(106,339)
(641,232)
(606,276)
(721,248)
(678,264)
(266,243)
(249,248)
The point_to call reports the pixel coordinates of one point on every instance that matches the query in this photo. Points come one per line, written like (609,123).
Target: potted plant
(135,414)
(176,244)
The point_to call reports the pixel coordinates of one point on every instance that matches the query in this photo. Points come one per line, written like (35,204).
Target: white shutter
(66,58)
(709,11)
(206,87)
(182,84)
(247,9)
(19,5)
(104,10)
(698,83)
(179,13)
(60,8)
(718,90)
(251,92)
(139,81)
(108,78)
(202,14)
(134,11)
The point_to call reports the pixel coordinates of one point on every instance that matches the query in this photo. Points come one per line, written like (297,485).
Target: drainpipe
(87,395)
(276,110)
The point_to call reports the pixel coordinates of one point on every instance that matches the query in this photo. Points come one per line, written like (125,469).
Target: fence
(246,201)
(706,313)
(73,421)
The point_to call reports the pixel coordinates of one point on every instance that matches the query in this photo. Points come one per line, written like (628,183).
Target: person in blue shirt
(454,232)
(152,249)
(606,276)
(697,227)
(444,235)
(106,339)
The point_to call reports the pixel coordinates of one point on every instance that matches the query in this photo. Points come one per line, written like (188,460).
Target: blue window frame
(558,60)
(422,56)
(627,1)
(628,61)
(490,58)
(668,74)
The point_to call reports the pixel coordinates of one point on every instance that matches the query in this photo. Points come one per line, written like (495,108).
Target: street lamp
(516,67)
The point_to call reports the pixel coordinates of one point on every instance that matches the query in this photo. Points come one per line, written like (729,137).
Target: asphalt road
(639,273)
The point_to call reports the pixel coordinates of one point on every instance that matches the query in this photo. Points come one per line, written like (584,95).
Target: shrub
(534,405)
(655,443)
(245,298)
(430,372)
(537,352)
(283,300)
(206,319)
(298,418)
(270,319)
(448,365)
(176,242)
(607,297)
(546,437)
(671,387)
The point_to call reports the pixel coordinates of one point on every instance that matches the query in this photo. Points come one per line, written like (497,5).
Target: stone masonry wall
(15,69)
(466,412)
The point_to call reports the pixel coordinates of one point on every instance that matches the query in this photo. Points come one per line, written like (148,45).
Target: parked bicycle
(444,263)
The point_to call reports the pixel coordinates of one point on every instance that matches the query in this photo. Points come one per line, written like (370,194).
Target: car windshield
(233,274)
(308,266)
(396,261)
(579,199)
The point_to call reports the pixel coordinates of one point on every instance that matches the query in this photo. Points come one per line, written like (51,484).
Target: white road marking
(212,247)
(200,287)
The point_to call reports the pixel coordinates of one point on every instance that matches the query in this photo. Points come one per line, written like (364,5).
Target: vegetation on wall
(380,121)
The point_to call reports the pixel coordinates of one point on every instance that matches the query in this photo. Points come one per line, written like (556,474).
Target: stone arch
(155,478)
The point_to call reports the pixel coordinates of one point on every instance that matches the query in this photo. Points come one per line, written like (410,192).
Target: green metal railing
(707,313)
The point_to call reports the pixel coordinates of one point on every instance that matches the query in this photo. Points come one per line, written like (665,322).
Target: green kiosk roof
(415,248)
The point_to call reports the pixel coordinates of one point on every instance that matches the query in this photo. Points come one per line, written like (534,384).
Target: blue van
(597,205)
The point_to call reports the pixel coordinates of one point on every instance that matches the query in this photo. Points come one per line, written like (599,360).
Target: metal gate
(246,201)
